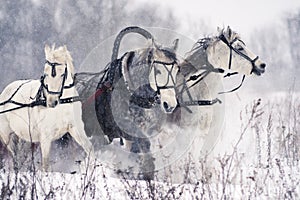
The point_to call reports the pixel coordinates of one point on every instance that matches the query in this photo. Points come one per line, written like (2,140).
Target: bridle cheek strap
(45,86)
(252,61)
(170,76)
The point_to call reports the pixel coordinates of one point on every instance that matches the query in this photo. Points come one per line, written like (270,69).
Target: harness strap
(230,57)
(70,86)
(234,89)
(53,65)
(200,102)
(15,92)
(230,74)
(69,100)
(92,98)
(39,103)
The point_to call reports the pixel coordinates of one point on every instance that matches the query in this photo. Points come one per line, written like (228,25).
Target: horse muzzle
(52,104)
(260,69)
(167,108)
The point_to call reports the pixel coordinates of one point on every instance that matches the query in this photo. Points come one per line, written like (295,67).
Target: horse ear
(53,46)
(229,32)
(65,48)
(155,45)
(47,49)
(175,44)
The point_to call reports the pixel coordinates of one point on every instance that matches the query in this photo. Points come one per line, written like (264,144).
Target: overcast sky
(241,15)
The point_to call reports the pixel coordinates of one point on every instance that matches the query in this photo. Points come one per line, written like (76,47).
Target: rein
(40,102)
(236,88)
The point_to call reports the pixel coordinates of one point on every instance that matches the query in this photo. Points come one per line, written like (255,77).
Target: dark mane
(196,57)
(169,53)
(202,43)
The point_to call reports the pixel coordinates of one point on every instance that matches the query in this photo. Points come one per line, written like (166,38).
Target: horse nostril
(55,103)
(262,65)
(166,106)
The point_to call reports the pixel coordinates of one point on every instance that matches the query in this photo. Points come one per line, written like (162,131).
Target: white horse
(46,109)
(226,54)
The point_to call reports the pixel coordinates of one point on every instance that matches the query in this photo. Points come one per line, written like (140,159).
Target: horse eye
(240,48)
(157,71)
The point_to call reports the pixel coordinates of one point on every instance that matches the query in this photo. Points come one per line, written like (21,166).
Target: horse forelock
(229,34)
(61,55)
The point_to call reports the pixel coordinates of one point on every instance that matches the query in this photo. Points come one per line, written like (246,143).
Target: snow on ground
(259,169)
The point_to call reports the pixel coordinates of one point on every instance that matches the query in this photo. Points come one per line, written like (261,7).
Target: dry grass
(273,173)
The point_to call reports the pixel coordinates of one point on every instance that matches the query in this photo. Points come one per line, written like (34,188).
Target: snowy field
(262,163)
(249,147)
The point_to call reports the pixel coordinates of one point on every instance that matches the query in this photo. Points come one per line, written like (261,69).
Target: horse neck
(69,92)
(193,62)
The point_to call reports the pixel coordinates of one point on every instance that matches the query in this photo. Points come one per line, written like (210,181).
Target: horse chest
(55,118)
(34,123)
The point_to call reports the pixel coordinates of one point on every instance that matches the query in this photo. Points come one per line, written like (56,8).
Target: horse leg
(146,164)
(127,144)
(5,136)
(81,138)
(45,148)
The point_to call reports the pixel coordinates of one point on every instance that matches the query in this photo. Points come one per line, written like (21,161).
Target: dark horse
(123,95)
(131,72)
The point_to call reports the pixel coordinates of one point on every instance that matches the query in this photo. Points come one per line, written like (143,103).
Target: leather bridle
(231,48)
(53,74)
(170,77)
(38,101)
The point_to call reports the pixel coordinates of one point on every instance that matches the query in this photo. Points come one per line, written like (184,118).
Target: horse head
(163,73)
(58,72)
(228,52)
